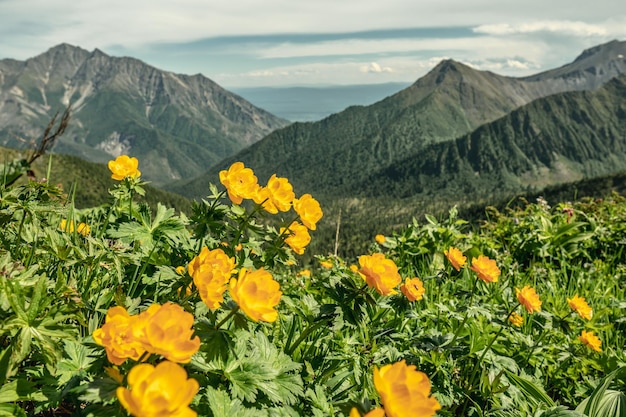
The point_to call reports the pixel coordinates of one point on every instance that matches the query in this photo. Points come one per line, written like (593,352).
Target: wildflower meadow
(126,309)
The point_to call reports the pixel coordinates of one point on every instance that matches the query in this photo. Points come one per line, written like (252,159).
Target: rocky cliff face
(177,125)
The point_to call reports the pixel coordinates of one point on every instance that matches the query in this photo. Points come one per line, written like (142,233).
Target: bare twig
(49,137)
(337,233)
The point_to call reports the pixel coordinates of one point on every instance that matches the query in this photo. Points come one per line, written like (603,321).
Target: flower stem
(225,319)
(458,329)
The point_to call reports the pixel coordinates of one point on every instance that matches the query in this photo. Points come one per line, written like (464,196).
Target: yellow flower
(456,258)
(305,273)
(240,182)
(404,391)
(117,336)
(114,374)
(180,270)
(163,390)
(516,320)
(211,271)
(413,289)
(354,268)
(123,167)
(309,210)
(82,228)
(528,298)
(591,340)
(579,305)
(485,268)
(276,196)
(256,293)
(380,273)
(168,332)
(298,237)
(380,239)
(376,412)
(326,264)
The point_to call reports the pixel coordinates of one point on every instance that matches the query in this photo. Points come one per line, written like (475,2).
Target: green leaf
(533,392)
(560,411)
(36,300)
(222,405)
(76,363)
(604,402)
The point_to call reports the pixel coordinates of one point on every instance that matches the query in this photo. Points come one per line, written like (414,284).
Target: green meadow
(134,308)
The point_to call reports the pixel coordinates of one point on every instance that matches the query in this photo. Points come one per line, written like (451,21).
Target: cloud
(563,27)
(374,67)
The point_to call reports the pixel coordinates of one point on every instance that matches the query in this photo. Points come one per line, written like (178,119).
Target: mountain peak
(603,51)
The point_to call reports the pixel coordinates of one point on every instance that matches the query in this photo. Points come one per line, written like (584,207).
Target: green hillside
(560,138)
(88,181)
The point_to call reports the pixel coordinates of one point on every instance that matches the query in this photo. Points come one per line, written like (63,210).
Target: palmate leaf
(257,366)
(222,405)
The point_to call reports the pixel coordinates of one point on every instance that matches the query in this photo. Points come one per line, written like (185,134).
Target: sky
(246,43)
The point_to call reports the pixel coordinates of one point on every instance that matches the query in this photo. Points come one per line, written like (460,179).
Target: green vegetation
(335,325)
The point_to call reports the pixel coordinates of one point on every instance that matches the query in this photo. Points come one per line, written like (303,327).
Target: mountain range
(454,132)
(177,125)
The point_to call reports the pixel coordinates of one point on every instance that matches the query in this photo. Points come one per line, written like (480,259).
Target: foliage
(332,330)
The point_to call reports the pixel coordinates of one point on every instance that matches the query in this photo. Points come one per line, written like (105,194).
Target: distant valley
(308,104)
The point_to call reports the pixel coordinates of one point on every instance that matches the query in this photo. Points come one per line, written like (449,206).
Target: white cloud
(375,68)
(553,26)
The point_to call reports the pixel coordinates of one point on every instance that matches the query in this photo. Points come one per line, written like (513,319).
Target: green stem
(458,329)
(482,356)
(225,319)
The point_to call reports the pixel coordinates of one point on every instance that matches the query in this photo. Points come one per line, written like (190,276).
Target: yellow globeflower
(168,332)
(380,239)
(376,412)
(163,390)
(326,264)
(528,298)
(298,237)
(413,289)
(83,228)
(516,320)
(124,166)
(591,340)
(485,268)
(211,271)
(380,273)
(309,210)
(256,293)
(240,182)
(404,391)
(579,305)
(276,196)
(456,258)
(117,336)
(305,273)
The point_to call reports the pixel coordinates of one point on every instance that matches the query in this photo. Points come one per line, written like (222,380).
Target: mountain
(177,125)
(560,138)
(337,156)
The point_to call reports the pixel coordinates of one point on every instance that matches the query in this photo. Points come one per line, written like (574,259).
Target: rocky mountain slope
(177,125)
(339,154)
